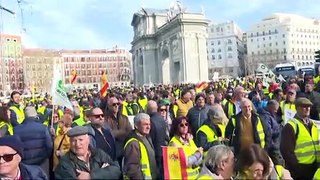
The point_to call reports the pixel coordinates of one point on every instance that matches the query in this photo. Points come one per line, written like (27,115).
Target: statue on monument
(175,9)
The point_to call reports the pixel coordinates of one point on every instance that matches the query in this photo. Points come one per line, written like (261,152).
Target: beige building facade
(39,65)
(169,46)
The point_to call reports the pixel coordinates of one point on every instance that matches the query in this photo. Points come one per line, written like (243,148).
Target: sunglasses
(163,110)
(115,104)
(183,125)
(98,116)
(8,157)
(55,116)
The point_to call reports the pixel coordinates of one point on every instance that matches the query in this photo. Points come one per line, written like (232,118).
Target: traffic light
(317,56)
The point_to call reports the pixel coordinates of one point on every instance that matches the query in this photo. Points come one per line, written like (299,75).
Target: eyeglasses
(8,157)
(163,110)
(183,125)
(98,116)
(115,104)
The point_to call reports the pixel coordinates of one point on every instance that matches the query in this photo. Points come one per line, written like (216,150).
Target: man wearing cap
(11,167)
(83,161)
(300,142)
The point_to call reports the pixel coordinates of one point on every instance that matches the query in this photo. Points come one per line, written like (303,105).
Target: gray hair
(273,103)
(245,100)
(140,117)
(217,154)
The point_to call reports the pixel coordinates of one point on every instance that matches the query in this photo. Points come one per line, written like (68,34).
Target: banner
(59,94)
(174,163)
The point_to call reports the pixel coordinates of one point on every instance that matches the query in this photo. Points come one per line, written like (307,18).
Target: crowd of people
(242,129)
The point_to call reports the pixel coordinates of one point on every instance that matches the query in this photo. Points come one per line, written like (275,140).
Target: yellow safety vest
(60,113)
(290,106)
(205,177)
(188,150)
(211,136)
(231,109)
(259,131)
(10,127)
(144,159)
(80,122)
(143,103)
(307,146)
(316,175)
(42,110)
(279,170)
(19,114)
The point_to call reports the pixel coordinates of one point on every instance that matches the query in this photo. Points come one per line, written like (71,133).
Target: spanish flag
(73,76)
(104,84)
(174,163)
(202,86)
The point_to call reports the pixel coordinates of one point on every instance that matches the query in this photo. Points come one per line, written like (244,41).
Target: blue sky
(88,24)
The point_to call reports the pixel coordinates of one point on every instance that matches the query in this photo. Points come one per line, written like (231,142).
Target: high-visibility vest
(60,113)
(80,122)
(289,106)
(143,103)
(316,175)
(144,160)
(205,177)
(259,131)
(211,136)
(231,109)
(307,146)
(224,102)
(19,113)
(188,150)
(42,111)
(10,127)
(279,170)
(183,107)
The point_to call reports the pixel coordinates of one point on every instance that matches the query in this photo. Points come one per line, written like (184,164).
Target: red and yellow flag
(104,84)
(174,163)
(73,76)
(202,86)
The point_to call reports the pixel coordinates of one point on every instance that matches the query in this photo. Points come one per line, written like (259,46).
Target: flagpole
(53,107)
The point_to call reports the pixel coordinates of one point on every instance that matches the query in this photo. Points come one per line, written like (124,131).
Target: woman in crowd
(182,137)
(254,163)
(218,164)
(212,132)
(62,141)
(6,127)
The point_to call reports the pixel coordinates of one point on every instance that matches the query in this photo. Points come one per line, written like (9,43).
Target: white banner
(59,94)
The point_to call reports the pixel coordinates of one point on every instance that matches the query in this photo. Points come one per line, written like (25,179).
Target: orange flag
(73,76)
(104,84)
(174,163)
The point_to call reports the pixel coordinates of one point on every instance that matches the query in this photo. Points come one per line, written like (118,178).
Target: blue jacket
(32,172)
(37,141)
(274,129)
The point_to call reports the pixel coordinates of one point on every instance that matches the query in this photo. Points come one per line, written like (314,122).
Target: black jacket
(32,172)
(158,135)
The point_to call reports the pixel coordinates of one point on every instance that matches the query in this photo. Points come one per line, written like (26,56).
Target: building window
(218,42)
(252,53)
(229,55)
(212,51)
(229,41)
(229,48)
(212,43)
(219,56)
(270,44)
(283,35)
(213,57)
(251,40)
(219,50)
(284,42)
(276,43)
